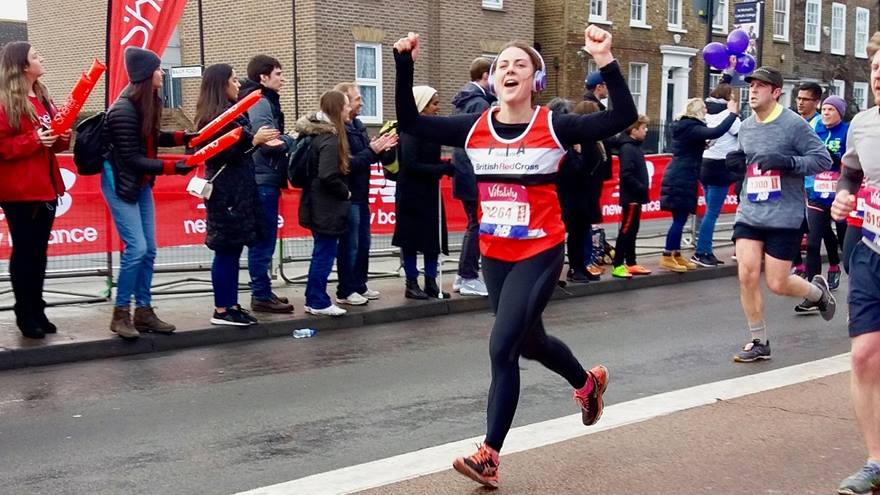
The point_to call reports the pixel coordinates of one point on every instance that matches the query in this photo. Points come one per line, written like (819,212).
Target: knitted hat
(423,95)
(140,64)
(838,103)
(594,79)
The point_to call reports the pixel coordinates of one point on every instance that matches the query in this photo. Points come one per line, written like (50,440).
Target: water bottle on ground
(304,333)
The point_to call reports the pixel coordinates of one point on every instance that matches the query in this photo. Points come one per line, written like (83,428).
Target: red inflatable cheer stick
(66,115)
(226,117)
(214,147)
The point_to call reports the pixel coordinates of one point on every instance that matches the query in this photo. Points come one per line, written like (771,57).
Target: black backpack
(89,147)
(298,165)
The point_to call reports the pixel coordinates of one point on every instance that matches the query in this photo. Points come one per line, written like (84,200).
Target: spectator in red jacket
(28,199)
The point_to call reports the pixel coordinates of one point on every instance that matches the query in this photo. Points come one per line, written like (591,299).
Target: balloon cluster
(717,55)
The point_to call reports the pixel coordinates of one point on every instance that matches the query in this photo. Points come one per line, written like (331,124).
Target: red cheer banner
(145,24)
(83,225)
(66,115)
(225,118)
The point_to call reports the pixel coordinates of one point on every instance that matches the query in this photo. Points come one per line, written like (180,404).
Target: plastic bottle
(304,333)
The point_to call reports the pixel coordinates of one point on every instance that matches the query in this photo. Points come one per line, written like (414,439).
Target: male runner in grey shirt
(781,149)
(862,160)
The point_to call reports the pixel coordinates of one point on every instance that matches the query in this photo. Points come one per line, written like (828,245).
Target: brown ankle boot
(145,320)
(121,324)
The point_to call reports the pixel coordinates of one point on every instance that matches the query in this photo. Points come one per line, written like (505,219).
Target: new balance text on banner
(141,23)
(82,225)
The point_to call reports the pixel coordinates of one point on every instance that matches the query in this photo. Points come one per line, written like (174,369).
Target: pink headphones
(539,82)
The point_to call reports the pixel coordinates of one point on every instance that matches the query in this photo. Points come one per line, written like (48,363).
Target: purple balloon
(745,64)
(715,55)
(738,42)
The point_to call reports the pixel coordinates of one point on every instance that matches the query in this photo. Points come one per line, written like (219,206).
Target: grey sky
(13,9)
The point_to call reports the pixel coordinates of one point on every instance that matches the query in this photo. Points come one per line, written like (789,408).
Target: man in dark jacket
(596,89)
(270,169)
(474,97)
(353,258)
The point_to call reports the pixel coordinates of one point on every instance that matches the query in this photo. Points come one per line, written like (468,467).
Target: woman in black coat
(324,206)
(678,191)
(420,216)
(579,185)
(233,219)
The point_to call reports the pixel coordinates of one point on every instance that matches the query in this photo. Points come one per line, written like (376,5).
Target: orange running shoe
(591,402)
(481,467)
(638,270)
(595,270)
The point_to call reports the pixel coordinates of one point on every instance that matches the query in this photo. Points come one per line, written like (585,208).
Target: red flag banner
(142,23)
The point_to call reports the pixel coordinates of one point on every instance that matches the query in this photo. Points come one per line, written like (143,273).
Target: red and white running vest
(519,213)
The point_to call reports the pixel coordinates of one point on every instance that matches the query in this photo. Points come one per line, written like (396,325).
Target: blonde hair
(642,120)
(14,85)
(695,109)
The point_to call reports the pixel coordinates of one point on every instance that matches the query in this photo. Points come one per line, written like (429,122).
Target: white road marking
(439,458)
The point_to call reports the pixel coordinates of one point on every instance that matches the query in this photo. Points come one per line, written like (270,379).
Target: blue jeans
(224,277)
(260,254)
(353,260)
(715,196)
(673,236)
(411,268)
(323,255)
(136,224)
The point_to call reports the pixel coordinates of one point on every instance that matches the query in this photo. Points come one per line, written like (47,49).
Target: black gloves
(774,161)
(181,168)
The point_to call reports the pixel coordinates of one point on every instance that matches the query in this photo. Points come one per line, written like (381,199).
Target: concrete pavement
(83,329)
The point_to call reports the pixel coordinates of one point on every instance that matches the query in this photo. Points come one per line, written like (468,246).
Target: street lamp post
(710,11)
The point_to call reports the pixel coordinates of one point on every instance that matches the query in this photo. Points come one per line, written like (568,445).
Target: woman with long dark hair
(325,205)
(33,182)
(515,149)
(127,184)
(233,219)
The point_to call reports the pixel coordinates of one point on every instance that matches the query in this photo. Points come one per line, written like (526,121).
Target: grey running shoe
(753,351)
(865,481)
(807,307)
(828,304)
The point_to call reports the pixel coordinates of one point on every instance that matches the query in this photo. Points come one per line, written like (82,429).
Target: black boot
(432,290)
(45,325)
(413,291)
(27,324)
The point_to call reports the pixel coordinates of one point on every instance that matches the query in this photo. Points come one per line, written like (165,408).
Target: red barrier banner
(84,226)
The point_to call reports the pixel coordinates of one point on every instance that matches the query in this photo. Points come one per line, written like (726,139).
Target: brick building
(658,45)
(337,40)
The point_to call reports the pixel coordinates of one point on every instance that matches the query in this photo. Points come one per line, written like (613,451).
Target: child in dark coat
(633,194)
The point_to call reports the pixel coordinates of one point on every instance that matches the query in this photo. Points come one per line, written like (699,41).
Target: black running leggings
(518,293)
(819,219)
(852,237)
(625,250)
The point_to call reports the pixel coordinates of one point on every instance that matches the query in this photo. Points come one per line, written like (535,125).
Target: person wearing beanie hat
(140,64)
(130,170)
(421,223)
(832,131)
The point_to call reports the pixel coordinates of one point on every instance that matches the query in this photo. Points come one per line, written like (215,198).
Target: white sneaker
(371,295)
(353,299)
(456,285)
(332,310)
(473,287)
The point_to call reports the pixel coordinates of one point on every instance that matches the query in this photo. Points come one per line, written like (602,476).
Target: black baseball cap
(767,74)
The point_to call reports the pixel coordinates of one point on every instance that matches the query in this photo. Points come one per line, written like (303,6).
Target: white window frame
(786,11)
(679,25)
(601,16)
(493,4)
(814,28)
(864,88)
(862,35)
(714,80)
(838,34)
(376,83)
(722,9)
(642,90)
(639,23)
(839,87)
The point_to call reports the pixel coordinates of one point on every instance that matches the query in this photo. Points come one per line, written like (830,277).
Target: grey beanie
(140,64)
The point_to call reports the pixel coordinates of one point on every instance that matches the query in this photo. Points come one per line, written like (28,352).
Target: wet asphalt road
(229,418)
